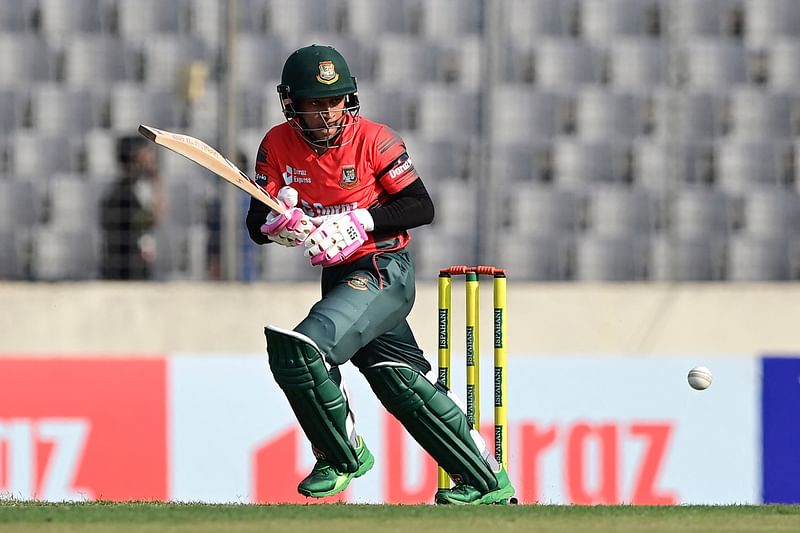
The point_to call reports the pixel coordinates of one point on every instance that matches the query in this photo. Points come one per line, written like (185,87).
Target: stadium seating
(59,20)
(90,59)
(24,59)
(455,200)
(686,259)
(12,261)
(15,15)
(756,113)
(519,162)
(624,139)
(371,19)
(604,114)
(59,255)
(767,19)
(12,105)
(603,21)
(38,155)
(444,112)
(742,164)
(564,63)
(580,164)
(301,17)
(769,212)
(538,210)
(784,69)
(538,258)
(57,109)
(524,21)
(442,158)
(700,212)
(637,63)
(147,19)
(402,60)
(757,259)
(620,211)
(450,17)
(714,64)
(689,19)
(73,203)
(519,113)
(131,104)
(691,114)
(601,258)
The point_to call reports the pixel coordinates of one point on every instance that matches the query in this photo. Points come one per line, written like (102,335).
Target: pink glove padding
(338,237)
(291,227)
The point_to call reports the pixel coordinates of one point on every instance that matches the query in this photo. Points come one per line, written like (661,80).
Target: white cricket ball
(700,378)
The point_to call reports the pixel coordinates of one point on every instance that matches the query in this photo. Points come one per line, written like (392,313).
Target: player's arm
(258,212)
(256,216)
(264,225)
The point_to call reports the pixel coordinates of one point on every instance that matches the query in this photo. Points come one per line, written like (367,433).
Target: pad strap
(314,393)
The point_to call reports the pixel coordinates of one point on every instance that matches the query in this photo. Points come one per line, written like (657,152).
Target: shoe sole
(343,482)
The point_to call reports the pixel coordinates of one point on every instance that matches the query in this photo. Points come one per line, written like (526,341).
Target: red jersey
(359,174)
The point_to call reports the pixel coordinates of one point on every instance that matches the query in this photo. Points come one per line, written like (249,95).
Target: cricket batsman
(351,194)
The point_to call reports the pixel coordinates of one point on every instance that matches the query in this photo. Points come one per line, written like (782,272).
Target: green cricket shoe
(468,495)
(324,480)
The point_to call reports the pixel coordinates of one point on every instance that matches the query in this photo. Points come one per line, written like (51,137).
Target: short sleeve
(396,169)
(267,173)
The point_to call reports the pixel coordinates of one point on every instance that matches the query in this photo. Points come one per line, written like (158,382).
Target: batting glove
(338,237)
(291,227)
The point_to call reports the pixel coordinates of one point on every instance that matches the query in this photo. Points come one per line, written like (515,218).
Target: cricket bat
(205,156)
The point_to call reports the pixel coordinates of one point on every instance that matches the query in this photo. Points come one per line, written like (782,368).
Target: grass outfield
(163,517)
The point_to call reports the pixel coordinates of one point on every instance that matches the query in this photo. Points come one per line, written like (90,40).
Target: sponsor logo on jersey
(295,175)
(349,177)
(327,73)
(358,283)
(397,171)
(317,209)
(261,179)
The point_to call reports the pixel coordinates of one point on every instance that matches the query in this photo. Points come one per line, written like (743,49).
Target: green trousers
(362,314)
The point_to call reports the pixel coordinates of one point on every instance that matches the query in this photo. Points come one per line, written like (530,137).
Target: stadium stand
(602,258)
(686,259)
(625,139)
(699,213)
(637,63)
(784,69)
(768,19)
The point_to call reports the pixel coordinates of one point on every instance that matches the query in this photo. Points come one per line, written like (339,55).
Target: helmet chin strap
(303,128)
(308,132)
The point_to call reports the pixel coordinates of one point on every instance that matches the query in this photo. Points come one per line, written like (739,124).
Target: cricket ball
(700,378)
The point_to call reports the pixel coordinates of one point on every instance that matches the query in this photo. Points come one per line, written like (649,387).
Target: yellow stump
(500,362)
(472,277)
(473,351)
(444,349)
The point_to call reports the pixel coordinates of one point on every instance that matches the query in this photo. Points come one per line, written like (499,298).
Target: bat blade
(207,157)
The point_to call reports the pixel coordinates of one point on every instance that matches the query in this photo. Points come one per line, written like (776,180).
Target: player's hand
(291,227)
(338,237)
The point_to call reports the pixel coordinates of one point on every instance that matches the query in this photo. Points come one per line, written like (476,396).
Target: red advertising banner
(83,429)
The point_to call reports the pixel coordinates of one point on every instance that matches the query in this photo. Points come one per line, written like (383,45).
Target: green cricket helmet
(316,72)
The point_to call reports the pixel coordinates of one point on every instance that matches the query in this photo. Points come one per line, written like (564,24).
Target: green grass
(137,517)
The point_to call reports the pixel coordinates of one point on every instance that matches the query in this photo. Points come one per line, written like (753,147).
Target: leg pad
(434,420)
(314,395)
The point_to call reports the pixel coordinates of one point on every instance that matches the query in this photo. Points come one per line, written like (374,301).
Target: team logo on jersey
(349,177)
(327,73)
(358,283)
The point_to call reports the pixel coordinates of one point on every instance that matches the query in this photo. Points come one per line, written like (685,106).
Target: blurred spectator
(131,211)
